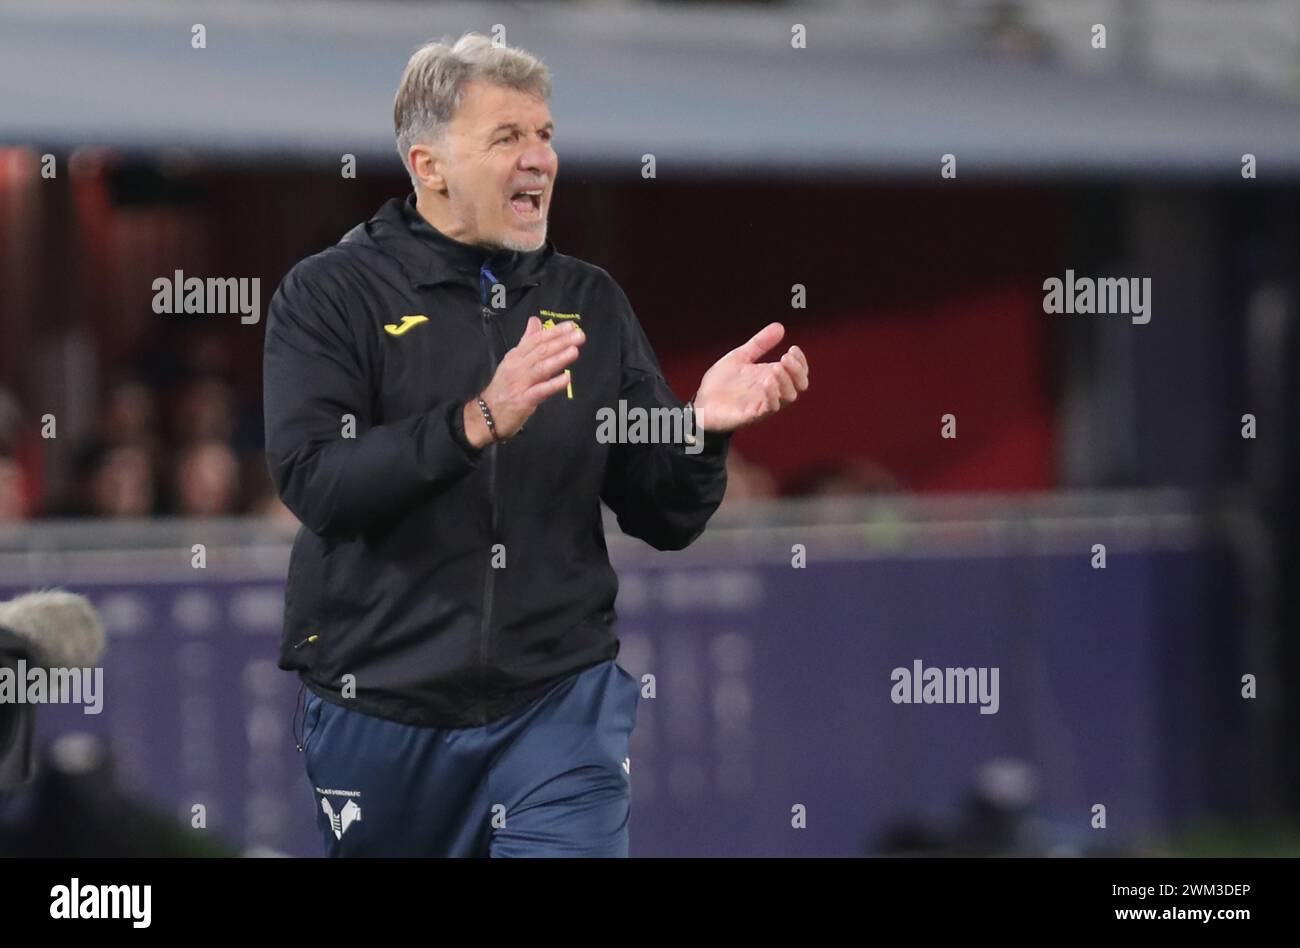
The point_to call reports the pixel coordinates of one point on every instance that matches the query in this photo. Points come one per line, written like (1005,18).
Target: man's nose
(538,157)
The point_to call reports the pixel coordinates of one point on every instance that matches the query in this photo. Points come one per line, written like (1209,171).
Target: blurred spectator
(747,481)
(10,416)
(114,481)
(12,506)
(849,478)
(13,502)
(130,414)
(204,412)
(263,501)
(116,474)
(206,480)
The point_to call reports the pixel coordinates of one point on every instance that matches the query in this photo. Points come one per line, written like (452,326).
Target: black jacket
(455,585)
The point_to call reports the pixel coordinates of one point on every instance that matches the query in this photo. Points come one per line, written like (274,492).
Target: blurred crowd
(193,453)
(192,450)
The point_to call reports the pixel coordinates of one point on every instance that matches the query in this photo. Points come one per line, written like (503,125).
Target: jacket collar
(429,257)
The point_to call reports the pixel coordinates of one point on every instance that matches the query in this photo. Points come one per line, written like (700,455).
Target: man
(432,387)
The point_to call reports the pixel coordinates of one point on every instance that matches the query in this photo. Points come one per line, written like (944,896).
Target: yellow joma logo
(394,329)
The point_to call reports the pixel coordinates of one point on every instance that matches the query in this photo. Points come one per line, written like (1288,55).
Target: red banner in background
(882,384)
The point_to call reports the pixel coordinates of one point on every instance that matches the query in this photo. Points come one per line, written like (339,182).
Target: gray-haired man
(433,384)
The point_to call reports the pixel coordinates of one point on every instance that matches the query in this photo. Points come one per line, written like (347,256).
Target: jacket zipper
(489,578)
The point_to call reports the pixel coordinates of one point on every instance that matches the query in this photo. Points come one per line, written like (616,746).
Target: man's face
(498,146)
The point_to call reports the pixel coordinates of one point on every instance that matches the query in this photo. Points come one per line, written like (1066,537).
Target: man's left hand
(739,390)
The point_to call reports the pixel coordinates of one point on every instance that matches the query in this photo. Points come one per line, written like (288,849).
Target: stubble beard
(527,244)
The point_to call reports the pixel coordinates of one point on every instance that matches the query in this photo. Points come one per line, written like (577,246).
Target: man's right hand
(529,374)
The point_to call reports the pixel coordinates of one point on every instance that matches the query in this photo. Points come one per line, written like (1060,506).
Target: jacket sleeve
(660,493)
(314,374)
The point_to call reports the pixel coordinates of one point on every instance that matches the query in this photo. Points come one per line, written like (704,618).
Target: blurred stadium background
(775,166)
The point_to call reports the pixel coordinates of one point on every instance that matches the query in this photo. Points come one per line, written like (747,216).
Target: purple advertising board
(774,718)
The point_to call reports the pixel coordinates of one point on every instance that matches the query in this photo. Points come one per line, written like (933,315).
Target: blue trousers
(550,780)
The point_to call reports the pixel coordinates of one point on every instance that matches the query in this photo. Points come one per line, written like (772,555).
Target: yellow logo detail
(407,322)
(550,324)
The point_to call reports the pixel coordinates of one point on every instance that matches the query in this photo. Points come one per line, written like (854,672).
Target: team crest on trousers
(341,814)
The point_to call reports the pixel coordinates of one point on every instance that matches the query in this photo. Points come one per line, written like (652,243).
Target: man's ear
(426,163)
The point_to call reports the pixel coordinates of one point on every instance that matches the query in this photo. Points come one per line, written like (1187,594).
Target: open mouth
(527,204)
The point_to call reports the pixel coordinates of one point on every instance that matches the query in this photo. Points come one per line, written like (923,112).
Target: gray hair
(434,81)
